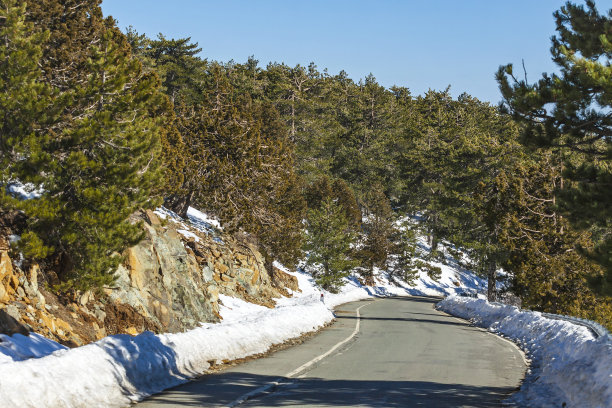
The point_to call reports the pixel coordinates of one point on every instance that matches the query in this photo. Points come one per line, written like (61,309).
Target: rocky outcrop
(169,282)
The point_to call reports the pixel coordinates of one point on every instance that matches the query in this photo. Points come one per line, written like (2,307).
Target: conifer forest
(99,122)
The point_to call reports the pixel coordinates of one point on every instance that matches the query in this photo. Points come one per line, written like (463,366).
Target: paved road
(405,354)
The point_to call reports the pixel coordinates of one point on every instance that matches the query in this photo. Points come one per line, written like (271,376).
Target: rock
(10,325)
(142,262)
(6,277)
(100,315)
(33,276)
(84,299)
(167,284)
(152,218)
(255,276)
(4,296)
(14,282)
(222,268)
(281,278)
(13,311)
(207,274)
(41,300)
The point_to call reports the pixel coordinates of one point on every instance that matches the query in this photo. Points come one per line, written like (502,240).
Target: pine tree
(378,232)
(339,190)
(177,63)
(328,243)
(26,104)
(570,111)
(97,162)
(239,166)
(548,273)
(404,250)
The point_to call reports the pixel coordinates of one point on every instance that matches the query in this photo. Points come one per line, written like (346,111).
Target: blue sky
(418,44)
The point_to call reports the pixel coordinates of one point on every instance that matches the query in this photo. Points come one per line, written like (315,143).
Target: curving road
(394,352)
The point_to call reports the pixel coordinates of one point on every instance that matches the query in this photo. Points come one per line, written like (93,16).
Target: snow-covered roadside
(569,366)
(120,369)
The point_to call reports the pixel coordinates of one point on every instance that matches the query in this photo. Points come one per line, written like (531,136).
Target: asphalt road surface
(392,352)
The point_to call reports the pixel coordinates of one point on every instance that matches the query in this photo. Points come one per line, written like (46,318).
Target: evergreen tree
(97,161)
(378,233)
(328,243)
(570,111)
(26,104)
(404,251)
(324,188)
(239,166)
(428,162)
(177,63)
(548,273)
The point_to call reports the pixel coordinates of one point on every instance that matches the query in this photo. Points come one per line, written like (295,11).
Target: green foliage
(378,233)
(323,188)
(176,63)
(328,243)
(25,101)
(548,272)
(434,272)
(569,111)
(94,154)
(404,253)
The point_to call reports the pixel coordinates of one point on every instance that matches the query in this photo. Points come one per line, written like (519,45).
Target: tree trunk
(492,278)
(434,243)
(179,203)
(269,266)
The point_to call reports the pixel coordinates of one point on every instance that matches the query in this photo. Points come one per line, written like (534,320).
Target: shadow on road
(406,319)
(316,392)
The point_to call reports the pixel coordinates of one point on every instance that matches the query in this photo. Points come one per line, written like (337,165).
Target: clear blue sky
(419,44)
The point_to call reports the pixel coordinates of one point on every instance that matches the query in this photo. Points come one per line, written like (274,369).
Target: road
(393,352)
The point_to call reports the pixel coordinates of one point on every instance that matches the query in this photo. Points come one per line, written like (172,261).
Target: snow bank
(19,347)
(121,369)
(568,364)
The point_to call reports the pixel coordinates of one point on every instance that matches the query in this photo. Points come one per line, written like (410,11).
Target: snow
(19,347)
(26,191)
(188,234)
(121,369)
(568,364)
(197,220)
(202,220)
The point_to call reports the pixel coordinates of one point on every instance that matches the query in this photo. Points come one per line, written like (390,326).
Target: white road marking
(301,368)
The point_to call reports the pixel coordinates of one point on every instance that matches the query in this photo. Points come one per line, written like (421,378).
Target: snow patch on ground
(568,364)
(197,220)
(202,220)
(26,191)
